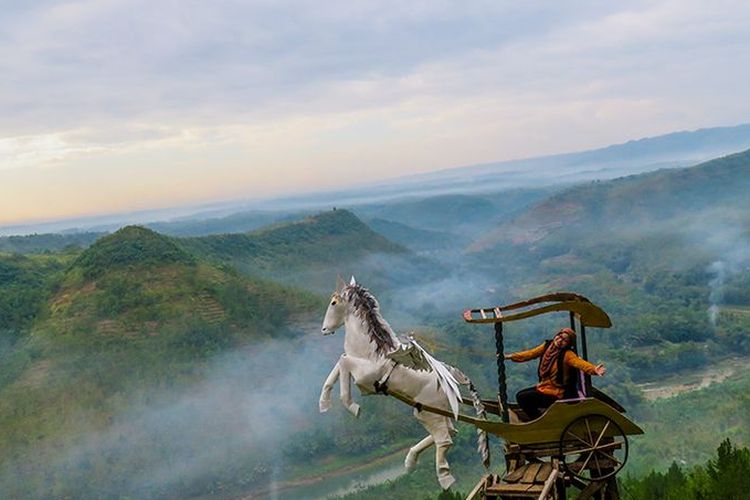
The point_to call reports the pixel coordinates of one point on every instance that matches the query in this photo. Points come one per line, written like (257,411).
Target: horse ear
(352,282)
(340,284)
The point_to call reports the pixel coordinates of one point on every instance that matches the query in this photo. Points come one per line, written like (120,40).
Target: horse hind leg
(413,456)
(442,468)
(441,430)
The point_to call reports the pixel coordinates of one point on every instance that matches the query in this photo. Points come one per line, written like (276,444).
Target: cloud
(381,88)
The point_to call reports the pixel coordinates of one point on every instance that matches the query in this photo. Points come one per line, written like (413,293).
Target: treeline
(726,476)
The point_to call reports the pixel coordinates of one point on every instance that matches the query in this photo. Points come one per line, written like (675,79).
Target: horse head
(336,312)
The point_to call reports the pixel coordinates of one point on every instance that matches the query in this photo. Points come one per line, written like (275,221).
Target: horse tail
(483,445)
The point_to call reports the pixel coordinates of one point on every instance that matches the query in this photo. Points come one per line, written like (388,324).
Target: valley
(190,365)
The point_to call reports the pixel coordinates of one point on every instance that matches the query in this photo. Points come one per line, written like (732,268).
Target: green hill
(133,314)
(324,238)
(129,248)
(311,252)
(136,280)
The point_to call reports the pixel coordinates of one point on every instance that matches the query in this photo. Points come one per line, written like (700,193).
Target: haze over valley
(155,362)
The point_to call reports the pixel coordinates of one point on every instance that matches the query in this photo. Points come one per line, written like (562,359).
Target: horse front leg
(324,403)
(345,373)
(413,456)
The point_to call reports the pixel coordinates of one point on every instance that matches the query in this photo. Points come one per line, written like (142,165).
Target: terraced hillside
(132,315)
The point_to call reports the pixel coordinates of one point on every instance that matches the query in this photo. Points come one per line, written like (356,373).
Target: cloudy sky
(117,105)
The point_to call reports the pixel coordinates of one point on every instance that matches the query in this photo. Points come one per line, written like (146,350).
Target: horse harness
(381,386)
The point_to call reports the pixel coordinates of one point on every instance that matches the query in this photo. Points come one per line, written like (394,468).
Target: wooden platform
(528,481)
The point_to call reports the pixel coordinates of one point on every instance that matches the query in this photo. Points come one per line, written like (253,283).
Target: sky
(111,106)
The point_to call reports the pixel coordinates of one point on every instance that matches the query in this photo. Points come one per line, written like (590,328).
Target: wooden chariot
(577,446)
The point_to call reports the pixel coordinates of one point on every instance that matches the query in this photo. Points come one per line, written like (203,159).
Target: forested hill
(137,281)
(326,237)
(108,338)
(716,190)
(311,251)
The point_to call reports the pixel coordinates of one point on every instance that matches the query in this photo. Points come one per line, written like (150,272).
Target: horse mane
(366,308)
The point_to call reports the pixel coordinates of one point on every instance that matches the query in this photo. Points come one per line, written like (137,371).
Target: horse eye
(333,302)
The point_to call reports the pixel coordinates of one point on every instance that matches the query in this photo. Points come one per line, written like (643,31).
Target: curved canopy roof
(588,313)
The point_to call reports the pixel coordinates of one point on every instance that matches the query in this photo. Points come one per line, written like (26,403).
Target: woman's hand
(508,356)
(600,369)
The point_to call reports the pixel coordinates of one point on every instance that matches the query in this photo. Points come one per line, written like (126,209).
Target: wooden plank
(530,473)
(550,449)
(503,488)
(544,471)
(516,475)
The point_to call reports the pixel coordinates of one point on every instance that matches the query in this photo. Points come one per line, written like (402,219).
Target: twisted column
(502,389)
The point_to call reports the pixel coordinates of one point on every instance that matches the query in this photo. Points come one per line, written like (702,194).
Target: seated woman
(558,367)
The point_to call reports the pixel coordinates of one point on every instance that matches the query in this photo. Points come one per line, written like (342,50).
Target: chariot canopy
(587,313)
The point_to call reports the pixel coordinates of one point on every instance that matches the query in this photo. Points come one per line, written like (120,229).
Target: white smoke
(719,271)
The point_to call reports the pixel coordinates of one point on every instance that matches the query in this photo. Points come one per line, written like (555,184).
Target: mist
(230,428)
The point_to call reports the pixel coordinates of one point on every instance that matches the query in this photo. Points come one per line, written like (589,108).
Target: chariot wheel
(593,448)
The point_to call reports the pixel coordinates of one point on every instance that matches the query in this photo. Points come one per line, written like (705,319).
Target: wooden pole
(502,389)
(548,485)
(560,493)
(585,355)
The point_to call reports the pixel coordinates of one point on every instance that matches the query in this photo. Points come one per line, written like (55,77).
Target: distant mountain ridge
(645,199)
(677,149)
(684,146)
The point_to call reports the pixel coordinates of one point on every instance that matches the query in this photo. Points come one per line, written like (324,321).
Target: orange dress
(549,384)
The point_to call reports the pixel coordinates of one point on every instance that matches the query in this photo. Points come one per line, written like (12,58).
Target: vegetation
(130,247)
(311,252)
(24,286)
(319,238)
(40,243)
(132,318)
(726,476)
(124,366)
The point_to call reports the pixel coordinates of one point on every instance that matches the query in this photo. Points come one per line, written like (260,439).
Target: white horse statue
(375,358)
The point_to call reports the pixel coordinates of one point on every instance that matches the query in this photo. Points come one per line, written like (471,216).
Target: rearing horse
(374,357)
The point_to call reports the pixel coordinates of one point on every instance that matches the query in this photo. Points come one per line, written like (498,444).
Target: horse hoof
(324,405)
(354,409)
(446,481)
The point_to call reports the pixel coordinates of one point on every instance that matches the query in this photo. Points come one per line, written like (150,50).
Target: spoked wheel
(593,448)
